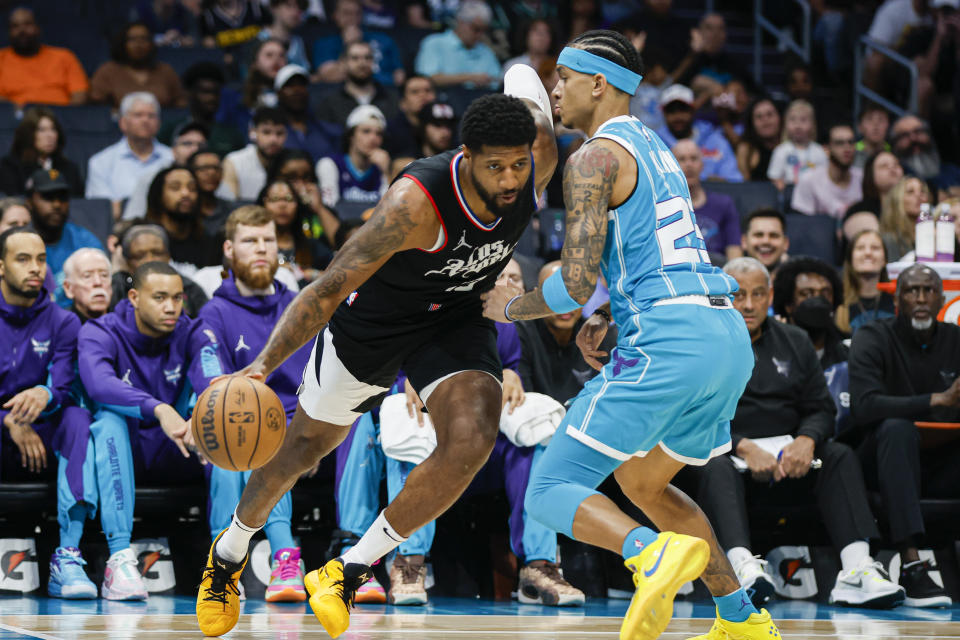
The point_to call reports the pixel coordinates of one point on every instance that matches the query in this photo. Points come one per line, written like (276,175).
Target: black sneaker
(922,591)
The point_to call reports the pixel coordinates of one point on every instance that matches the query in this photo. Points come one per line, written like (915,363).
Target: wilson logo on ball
(207,421)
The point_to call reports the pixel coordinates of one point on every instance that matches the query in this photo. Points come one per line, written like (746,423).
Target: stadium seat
(95,215)
(319,90)
(87,118)
(814,236)
(181,58)
(80,146)
(9,118)
(747,196)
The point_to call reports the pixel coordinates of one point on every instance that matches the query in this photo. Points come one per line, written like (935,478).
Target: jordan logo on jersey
(241,345)
(126,378)
(463,242)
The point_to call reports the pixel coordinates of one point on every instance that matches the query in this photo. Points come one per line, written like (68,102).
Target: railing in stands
(864,46)
(761,24)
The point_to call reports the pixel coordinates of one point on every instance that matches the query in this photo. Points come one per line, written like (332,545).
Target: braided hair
(611,45)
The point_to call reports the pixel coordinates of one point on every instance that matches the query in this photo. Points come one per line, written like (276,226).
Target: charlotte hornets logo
(40,347)
(172,375)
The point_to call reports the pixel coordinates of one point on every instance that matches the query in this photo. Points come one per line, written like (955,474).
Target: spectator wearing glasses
(296,167)
(208,170)
(134,67)
(831,189)
(298,251)
(918,153)
(38,143)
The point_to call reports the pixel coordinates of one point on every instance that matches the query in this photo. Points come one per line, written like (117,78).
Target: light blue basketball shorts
(675,383)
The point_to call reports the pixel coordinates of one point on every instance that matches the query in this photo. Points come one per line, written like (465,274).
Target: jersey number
(675,223)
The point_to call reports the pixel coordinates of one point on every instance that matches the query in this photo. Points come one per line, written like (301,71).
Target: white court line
(31,634)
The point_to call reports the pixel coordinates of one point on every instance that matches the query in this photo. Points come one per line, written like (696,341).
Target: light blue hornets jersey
(654,249)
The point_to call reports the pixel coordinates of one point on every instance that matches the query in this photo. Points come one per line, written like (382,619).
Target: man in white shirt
(833,188)
(245,171)
(113,172)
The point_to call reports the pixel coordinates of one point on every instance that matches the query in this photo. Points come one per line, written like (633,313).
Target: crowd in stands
(228,184)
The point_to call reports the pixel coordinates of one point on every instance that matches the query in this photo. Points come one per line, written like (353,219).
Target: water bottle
(925,235)
(946,234)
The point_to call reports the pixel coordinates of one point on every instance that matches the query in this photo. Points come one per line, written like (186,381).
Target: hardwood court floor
(450,619)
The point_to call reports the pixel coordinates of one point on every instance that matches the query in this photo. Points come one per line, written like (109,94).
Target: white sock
(235,541)
(853,554)
(739,555)
(379,540)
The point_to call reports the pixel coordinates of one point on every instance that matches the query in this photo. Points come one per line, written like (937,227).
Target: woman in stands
(37,144)
(356,179)
(13,213)
(761,135)
(864,266)
(296,167)
(880,173)
(267,58)
(134,67)
(900,208)
(299,250)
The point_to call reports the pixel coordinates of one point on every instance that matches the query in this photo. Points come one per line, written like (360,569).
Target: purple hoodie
(242,324)
(130,373)
(37,347)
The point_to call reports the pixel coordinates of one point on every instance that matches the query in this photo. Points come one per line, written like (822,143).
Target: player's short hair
(252,215)
(764,212)
(497,120)
(269,115)
(611,45)
(12,231)
(785,282)
(148,269)
(746,264)
(138,230)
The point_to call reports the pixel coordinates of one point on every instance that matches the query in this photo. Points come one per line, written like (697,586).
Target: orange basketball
(238,423)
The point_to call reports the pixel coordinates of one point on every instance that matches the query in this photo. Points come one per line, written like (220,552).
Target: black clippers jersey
(466,263)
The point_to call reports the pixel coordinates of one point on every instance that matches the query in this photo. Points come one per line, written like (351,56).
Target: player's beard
(490,200)
(24,293)
(255,278)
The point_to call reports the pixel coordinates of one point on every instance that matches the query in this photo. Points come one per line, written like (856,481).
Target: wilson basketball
(238,423)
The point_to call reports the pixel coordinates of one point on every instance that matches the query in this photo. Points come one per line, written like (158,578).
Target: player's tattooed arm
(545,154)
(404,219)
(588,182)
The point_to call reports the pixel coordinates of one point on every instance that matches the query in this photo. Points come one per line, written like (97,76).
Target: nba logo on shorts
(433,307)
(351,298)
(18,565)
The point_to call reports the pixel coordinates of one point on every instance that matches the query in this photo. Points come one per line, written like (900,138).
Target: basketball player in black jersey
(404,292)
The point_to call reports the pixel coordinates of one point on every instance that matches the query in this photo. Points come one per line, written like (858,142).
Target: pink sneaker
(371,592)
(121,579)
(286,577)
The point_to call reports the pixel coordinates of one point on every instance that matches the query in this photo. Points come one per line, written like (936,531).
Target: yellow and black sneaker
(332,589)
(218,598)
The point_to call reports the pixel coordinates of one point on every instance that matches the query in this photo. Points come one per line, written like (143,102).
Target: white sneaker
(867,586)
(753,577)
(122,579)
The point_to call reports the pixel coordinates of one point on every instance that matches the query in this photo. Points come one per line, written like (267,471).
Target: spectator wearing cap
(48,197)
(31,72)
(188,138)
(304,132)
(401,134)
(357,177)
(328,52)
(719,161)
(457,56)
(113,172)
(38,143)
(134,67)
(204,82)
(287,18)
(360,87)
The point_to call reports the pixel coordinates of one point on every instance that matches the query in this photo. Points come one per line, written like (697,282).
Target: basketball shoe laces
(219,583)
(288,568)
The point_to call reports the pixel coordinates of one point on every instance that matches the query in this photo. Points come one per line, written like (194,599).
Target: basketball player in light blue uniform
(682,359)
